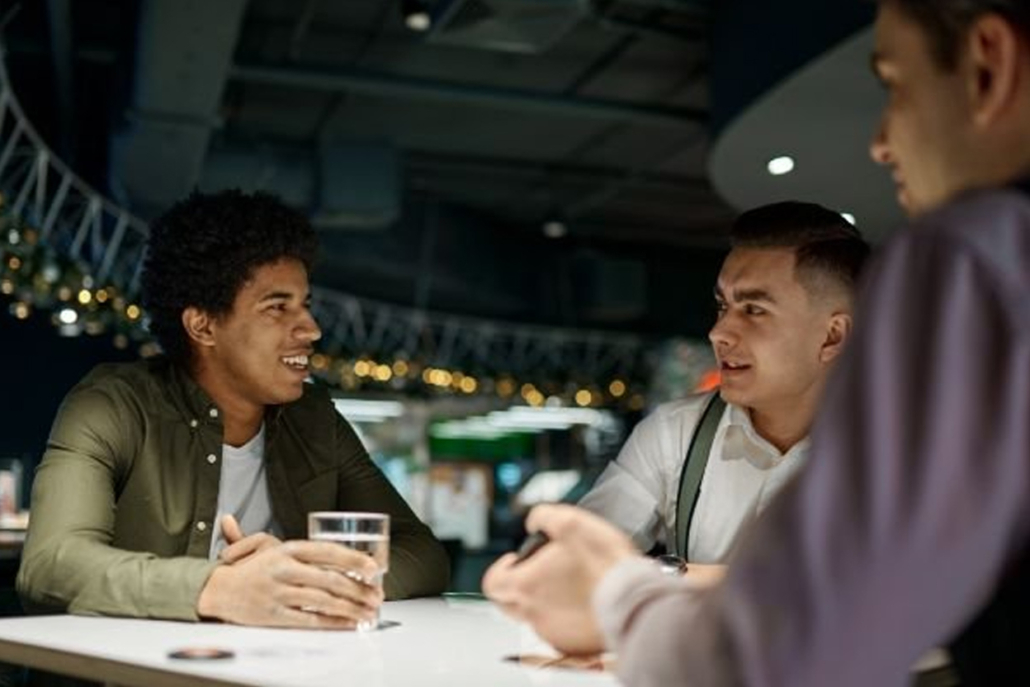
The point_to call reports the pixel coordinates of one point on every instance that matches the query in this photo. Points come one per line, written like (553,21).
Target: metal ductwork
(347,185)
(288,174)
(183,59)
(359,185)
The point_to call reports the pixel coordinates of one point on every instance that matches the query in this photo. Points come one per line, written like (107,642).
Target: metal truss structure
(108,242)
(357,327)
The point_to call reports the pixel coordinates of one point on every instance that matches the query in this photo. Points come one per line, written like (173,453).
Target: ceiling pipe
(691,6)
(361,81)
(617,23)
(268,163)
(560,172)
(183,53)
(60,18)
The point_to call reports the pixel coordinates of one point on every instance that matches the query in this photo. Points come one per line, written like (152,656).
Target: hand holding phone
(530,546)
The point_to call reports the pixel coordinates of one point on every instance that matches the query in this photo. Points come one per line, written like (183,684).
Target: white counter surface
(445,642)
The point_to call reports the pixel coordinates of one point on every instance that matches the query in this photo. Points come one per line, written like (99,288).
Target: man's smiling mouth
(296,362)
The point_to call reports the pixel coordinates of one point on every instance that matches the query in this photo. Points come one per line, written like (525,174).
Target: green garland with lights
(35,277)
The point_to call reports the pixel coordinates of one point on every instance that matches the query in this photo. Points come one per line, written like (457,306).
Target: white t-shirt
(243,491)
(639,491)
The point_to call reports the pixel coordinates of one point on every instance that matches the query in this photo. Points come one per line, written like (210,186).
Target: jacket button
(201,525)
(213,412)
(212,458)
(193,424)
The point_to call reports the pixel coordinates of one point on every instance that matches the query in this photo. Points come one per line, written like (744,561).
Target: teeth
(297,360)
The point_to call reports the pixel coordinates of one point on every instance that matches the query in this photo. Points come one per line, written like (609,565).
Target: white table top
(447,642)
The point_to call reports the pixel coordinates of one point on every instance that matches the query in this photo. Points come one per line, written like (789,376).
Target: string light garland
(35,277)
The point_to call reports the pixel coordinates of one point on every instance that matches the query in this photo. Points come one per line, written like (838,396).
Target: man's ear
(837,333)
(199,326)
(992,63)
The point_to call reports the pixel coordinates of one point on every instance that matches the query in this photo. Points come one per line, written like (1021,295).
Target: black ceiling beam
(60,19)
(93,54)
(599,65)
(634,26)
(416,160)
(390,85)
(702,7)
(300,29)
(585,204)
(591,174)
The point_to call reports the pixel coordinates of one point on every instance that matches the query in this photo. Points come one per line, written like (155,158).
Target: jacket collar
(195,405)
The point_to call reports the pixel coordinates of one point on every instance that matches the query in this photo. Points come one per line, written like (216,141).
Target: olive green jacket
(124,501)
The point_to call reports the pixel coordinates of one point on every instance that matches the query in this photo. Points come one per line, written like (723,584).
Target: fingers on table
(295,617)
(320,603)
(332,582)
(329,555)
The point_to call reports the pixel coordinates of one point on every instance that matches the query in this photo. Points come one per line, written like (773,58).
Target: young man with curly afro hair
(178,487)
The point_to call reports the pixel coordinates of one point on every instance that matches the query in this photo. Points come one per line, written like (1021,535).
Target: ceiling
(837,91)
(433,161)
(430,163)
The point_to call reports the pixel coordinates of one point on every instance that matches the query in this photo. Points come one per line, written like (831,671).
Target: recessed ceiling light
(849,217)
(779,166)
(419,21)
(555,229)
(416,15)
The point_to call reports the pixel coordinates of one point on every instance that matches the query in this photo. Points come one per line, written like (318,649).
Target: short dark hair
(826,245)
(946,21)
(205,248)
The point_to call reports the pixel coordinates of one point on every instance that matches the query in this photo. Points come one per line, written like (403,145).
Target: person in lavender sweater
(910,526)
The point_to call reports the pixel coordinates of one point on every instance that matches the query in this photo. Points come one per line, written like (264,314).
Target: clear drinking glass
(365,532)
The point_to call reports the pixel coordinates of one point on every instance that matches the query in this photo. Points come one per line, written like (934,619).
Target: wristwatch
(671,565)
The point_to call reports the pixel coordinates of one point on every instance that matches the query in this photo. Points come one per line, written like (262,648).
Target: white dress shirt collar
(741,441)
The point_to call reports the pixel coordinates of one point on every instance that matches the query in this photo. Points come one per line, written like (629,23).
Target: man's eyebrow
(276,296)
(753,295)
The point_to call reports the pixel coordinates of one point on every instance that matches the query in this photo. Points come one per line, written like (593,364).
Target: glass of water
(365,532)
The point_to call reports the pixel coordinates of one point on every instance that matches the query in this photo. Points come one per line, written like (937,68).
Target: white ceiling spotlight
(849,217)
(778,166)
(416,15)
(555,229)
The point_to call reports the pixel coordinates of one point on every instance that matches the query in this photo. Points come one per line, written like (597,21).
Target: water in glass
(365,532)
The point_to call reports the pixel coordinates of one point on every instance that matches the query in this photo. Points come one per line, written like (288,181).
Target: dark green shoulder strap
(694,468)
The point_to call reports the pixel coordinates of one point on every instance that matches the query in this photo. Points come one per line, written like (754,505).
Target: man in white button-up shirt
(911,526)
(784,302)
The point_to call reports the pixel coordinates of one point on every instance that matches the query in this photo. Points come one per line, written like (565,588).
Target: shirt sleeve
(913,503)
(68,562)
(630,493)
(419,565)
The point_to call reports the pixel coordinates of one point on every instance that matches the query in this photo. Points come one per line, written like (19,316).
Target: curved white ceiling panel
(822,116)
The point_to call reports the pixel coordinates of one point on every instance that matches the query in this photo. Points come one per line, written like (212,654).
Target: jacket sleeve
(68,562)
(419,565)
